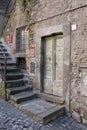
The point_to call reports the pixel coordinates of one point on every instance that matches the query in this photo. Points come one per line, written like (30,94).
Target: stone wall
(46,15)
(79,58)
(17,19)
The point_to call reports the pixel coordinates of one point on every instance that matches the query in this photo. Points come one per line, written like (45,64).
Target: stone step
(14,76)
(8,63)
(0,42)
(15,90)
(23,96)
(10,69)
(51,114)
(2,46)
(42,110)
(8,58)
(15,83)
(4,53)
(52,98)
(3,50)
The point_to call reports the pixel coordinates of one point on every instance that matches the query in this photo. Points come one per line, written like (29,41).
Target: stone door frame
(52,86)
(65,30)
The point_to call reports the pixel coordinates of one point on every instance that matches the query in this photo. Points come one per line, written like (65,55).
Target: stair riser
(10,71)
(16,92)
(16,84)
(8,65)
(2,54)
(52,116)
(2,45)
(8,60)
(3,49)
(26,99)
(14,77)
(51,98)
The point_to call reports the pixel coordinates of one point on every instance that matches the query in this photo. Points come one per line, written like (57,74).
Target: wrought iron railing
(3,71)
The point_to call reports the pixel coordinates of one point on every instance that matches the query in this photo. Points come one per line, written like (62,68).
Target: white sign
(73,27)
(85,81)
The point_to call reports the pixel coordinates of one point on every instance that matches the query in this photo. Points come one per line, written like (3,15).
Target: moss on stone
(22,4)
(2,93)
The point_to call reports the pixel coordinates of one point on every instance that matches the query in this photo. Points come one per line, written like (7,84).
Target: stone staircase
(19,88)
(20,92)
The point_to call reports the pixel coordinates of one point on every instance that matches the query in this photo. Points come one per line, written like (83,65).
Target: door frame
(47,31)
(42,59)
(42,62)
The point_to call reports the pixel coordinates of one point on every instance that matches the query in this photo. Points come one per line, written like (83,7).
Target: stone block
(42,111)
(76,116)
(84,122)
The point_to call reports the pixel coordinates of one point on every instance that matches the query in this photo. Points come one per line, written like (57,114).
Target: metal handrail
(4,75)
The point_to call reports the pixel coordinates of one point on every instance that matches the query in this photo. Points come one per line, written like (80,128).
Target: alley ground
(13,119)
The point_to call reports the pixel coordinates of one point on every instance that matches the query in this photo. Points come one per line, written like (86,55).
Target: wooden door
(48,70)
(53,65)
(58,66)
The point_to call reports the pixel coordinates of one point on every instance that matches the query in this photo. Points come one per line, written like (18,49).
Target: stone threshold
(42,110)
(52,98)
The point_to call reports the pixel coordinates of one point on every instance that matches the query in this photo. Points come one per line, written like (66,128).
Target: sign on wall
(32,51)
(10,39)
(83,86)
(32,67)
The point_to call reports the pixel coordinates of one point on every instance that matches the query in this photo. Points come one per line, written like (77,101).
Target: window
(21,39)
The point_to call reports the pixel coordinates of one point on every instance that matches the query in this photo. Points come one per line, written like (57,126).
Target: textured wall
(18,19)
(47,14)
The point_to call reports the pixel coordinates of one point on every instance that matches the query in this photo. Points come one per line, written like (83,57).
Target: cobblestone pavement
(13,119)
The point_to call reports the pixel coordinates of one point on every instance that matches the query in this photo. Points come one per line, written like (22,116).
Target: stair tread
(14,74)
(14,89)
(8,62)
(12,81)
(4,52)
(3,49)
(22,95)
(10,68)
(8,57)
(2,45)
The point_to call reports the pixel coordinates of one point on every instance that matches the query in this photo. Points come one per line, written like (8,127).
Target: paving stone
(30,128)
